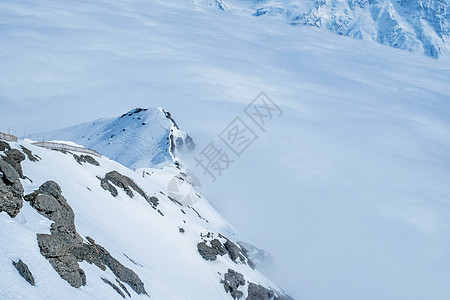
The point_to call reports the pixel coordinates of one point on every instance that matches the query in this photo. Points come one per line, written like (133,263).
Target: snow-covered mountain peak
(420,26)
(140,138)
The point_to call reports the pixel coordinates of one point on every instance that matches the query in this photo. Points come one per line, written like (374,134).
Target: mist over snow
(348,190)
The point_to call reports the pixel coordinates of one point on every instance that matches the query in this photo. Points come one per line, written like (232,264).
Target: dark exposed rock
(56,248)
(232,281)
(181,230)
(115,287)
(211,252)
(127,184)
(4,146)
(104,183)
(86,159)
(133,261)
(23,270)
(98,253)
(29,154)
(124,182)
(58,252)
(49,202)
(258,292)
(11,190)
(14,157)
(234,251)
(216,247)
(124,288)
(64,248)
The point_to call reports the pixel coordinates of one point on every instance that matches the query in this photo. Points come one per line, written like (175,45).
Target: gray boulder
(11,190)
(258,292)
(65,248)
(57,251)
(4,146)
(14,157)
(232,281)
(86,159)
(216,247)
(29,154)
(114,178)
(49,202)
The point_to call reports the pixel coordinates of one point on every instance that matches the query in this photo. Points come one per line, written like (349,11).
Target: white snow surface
(137,139)
(166,260)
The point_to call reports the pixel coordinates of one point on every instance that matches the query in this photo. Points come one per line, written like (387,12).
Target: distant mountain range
(420,26)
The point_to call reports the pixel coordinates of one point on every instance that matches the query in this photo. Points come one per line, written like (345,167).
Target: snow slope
(144,239)
(137,139)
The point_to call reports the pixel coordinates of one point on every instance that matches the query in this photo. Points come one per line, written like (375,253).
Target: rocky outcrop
(23,270)
(114,178)
(11,190)
(64,248)
(59,253)
(99,256)
(115,287)
(86,159)
(30,154)
(14,157)
(212,247)
(4,146)
(49,202)
(234,284)
(258,292)
(231,282)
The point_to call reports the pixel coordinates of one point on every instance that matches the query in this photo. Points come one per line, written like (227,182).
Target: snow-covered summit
(140,138)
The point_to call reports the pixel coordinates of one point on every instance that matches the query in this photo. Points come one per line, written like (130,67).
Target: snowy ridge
(137,139)
(211,3)
(140,228)
(420,26)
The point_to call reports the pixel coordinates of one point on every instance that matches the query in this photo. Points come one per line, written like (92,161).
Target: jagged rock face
(4,146)
(14,157)
(24,271)
(258,292)
(115,287)
(58,252)
(11,190)
(212,247)
(413,25)
(232,281)
(64,247)
(86,159)
(30,154)
(49,202)
(127,184)
(99,256)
